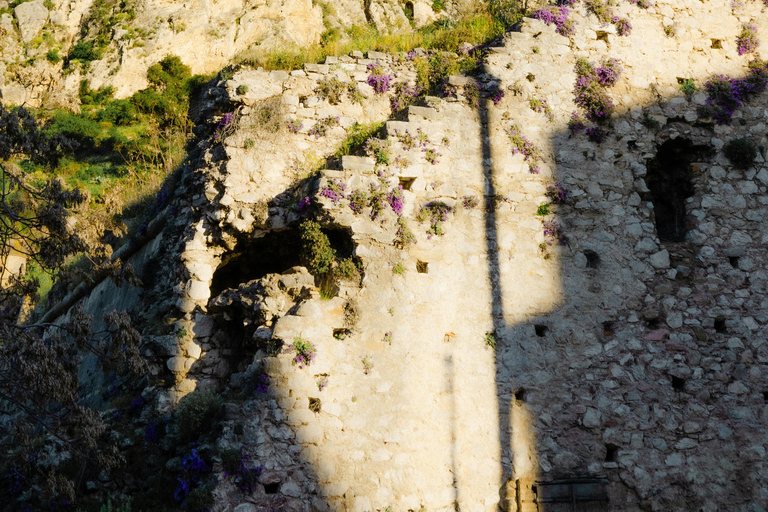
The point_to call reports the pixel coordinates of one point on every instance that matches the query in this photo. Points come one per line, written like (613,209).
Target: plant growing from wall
(688,88)
(557,193)
(404,237)
(741,152)
(490,339)
(316,251)
(558,16)
(542,107)
(379,78)
(725,95)
(591,85)
(520,144)
(304,352)
(333,190)
(367,364)
(321,127)
(747,41)
(436,212)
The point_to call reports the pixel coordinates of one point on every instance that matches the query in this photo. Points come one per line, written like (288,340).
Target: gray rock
(32,17)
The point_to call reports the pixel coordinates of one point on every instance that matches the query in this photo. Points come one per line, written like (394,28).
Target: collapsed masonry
(630,366)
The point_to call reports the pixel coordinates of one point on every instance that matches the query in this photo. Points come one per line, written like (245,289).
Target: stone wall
(625,366)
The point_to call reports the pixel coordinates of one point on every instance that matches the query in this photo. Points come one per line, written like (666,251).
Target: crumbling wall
(483,367)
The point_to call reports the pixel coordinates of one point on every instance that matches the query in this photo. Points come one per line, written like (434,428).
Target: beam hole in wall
(678,384)
(275,252)
(608,328)
(530,77)
(717,44)
(271,488)
(340,333)
(422,267)
(669,180)
(653,323)
(734,261)
(611,452)
(315,405)
(541,330)
(720,326)
(602,35)
(521,395)
(406,183)
(765,396)
(593,259)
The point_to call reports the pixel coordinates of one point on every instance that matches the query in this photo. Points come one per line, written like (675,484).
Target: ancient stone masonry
(487,364)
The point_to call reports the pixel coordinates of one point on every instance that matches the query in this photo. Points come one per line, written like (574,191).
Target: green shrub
(316,251)
(230,460)
(490,339)
(346,268)
(197,414)
(53,56)
(90,96)
(85,51)
(740,152)
(398,268)
(508,12)
(269,115)
(688,87)
(241,89)
(119,112)
(357,136)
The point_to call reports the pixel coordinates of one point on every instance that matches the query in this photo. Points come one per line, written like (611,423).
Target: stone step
(415,113)
(357,163)
(400,126)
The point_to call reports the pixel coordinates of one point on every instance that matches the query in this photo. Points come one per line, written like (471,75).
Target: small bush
(331,89)
(85,51)
(688,87)
(53,56)
(230,460)
(398,268)
(197,414)
(740,152)
(490,339)
(241,89)
(316,251)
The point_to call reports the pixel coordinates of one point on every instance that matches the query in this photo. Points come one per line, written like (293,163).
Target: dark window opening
(422,267)
(765,396)
(631,145)
(734,261)
(720,326)
(669,180)
(611,453)
(653,323)
(271,488)
(274,253)
(521,395)
(315,405)
(541,330)
(593,259)
(678,384)
(608,328)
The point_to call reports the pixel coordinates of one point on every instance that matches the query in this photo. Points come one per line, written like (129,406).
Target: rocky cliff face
(133,35)
(487,364)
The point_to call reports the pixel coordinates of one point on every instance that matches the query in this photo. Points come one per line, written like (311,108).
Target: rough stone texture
(31,16)
(619,356)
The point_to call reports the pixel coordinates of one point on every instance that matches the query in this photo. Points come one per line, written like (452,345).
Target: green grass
(475,29)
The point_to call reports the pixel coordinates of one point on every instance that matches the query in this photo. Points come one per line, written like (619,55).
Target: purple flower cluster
(436,212)
(431,155)
(334,190)
(595,134)
(725,95)
(245,475)
(449,90)
(542,107)
(396,200)
(623,26)
(403,96)
(262,383)
(469,202)
(557,193)
(494,92)
(295,126)
(591,85)
(521,144)
(305,203)
(378,78)
(747,41)
(305,352)
(559,16)
(320,129)
(643,4)
(553,232)
(357,201)
(192,468)
(576,123)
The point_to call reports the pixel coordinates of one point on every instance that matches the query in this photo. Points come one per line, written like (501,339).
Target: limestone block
(309,434)
(316,68)
(357,163)
(246,507)
(198,290)
(32,17)
(192,349)
(288,327)
(179,364)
